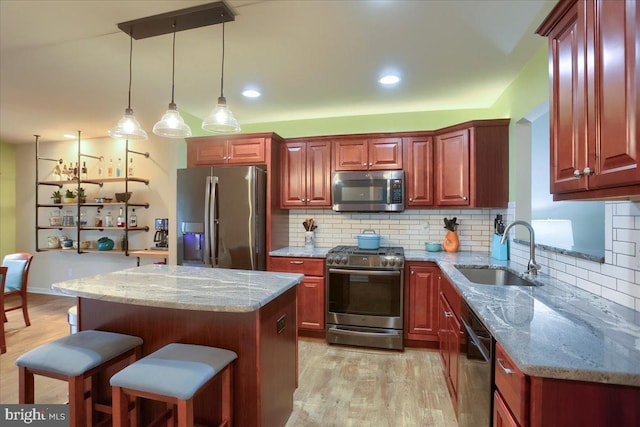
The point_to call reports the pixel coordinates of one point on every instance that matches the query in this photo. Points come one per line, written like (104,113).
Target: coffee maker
(162,231)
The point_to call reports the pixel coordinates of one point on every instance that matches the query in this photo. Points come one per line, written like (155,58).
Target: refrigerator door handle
(206,252)
(213,221)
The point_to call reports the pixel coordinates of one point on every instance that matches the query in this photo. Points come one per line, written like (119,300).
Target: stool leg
(25,385)
(185,413)
(77,409)
(120,408)
(227,396)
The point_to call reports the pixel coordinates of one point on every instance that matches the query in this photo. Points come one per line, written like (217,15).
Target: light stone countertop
(554,330)
(180,287)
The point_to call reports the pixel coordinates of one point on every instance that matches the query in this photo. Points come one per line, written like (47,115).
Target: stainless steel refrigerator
(221,217)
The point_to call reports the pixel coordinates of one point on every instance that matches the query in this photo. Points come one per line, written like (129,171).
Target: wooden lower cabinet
(527,401)
(311,291)
(501,415)
(449,334)
(421,302)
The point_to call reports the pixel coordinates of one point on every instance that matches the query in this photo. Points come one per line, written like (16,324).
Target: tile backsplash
(409,229)
(617,279)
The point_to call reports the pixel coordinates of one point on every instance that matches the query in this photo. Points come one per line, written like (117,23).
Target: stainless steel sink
(493,276)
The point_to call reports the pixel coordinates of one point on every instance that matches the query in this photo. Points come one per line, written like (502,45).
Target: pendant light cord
(130,66)
(173,66)
(222,75)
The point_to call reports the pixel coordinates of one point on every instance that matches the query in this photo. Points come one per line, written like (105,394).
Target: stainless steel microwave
(368,191)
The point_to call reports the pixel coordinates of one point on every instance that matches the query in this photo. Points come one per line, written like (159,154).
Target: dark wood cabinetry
(311,297)
(472,164)
(421,302)
(501,415)
(449,334)
(306,174)
(209,151)
(512,389)
(594,63)
(418,171)
(355,154)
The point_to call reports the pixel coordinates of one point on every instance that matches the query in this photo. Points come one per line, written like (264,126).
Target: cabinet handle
(587,171)
(364,164)
(464,197)
(577,173)
(370,164)
(448,314)
(506,370)
(410,199)
(413,272)
(296,262)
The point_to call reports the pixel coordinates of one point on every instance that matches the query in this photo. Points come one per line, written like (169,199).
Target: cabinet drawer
(512,384)
(306,266)
(451,293)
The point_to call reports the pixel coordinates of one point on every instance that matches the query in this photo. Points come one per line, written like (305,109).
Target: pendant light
(221,118)
(128,127)
(172,125)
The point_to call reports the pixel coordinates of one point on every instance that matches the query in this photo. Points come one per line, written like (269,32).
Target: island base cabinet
(502,417)
(578,404)
(265,341)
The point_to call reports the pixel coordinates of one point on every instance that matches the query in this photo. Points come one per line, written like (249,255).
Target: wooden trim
(554,17)
(629,192)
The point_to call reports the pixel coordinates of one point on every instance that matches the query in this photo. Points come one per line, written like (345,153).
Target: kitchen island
(250,312)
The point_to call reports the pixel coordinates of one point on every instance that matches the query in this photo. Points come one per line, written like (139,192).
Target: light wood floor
(338,386)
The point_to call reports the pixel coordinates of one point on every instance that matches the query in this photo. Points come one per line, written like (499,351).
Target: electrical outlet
(425,226)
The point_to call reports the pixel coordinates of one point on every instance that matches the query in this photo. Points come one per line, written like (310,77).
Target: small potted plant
(81,195)
(57,197)
(69,197)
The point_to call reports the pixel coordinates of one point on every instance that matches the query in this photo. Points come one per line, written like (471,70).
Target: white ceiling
(64,64)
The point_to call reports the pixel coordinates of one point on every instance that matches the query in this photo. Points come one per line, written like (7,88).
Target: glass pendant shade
(128,127)
(221,119)
(172,125)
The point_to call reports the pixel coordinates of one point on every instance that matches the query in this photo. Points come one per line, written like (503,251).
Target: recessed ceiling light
(389,79)
(251,93)
(69,136)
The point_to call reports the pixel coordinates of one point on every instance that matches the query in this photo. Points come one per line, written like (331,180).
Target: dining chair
(3,277)
(16,282)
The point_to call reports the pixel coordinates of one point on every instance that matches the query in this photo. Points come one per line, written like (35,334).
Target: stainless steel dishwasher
(475,400)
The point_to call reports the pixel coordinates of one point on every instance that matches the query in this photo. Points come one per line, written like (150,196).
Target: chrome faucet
(532,266)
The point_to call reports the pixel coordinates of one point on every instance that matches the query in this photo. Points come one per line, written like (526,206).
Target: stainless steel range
(365,296)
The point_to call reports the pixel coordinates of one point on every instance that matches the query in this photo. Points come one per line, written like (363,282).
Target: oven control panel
(365,261)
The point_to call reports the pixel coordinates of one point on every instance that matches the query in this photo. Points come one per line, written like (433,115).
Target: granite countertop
(554,330)
(190,288)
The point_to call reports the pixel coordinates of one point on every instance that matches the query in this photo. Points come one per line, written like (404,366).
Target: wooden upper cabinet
(306,174)
(472,164)
(354,154)
(452,160)
(210,151)
(594,63)
(418,171)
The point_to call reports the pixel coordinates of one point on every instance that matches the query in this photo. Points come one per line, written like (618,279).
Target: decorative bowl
(123,197)
(433,247)
(105,244)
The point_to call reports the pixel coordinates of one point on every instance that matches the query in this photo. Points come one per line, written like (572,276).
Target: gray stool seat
(175,370)
(76,354)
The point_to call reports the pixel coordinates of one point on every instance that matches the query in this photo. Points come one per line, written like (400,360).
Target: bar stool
(74,359)
(174,374)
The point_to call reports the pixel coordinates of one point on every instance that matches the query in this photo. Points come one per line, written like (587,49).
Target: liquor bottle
(133,219)
(110,168)
(131,166)
(108,220)
(75,171)
(98,219)
(57,173)
(119,168)
(100,167)
(70,174)
(120,219)
(84,170)
(63,173)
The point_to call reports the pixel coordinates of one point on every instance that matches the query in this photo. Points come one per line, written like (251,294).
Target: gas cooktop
(389,257)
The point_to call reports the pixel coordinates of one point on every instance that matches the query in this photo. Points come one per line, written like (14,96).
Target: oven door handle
(367,272)
(361,333)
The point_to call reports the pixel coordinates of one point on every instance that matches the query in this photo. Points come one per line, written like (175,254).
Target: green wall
(7,199)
